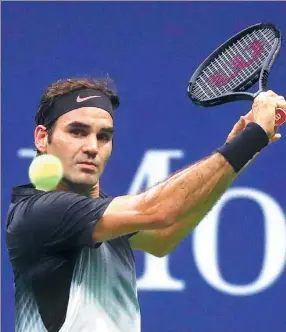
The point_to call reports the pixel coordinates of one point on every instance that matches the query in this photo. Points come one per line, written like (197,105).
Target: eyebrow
(109,130)
(77,124)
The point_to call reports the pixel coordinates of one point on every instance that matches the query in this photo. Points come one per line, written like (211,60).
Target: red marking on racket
(237,63)
(280,117)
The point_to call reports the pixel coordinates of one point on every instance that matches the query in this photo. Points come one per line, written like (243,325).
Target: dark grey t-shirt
(64,280)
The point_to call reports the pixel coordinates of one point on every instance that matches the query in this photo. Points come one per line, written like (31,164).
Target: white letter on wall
(206,235)
(155,167)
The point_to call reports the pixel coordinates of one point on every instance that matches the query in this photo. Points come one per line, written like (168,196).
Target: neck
(82,189)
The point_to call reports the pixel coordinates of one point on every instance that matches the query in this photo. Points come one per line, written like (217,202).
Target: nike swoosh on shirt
(81,99)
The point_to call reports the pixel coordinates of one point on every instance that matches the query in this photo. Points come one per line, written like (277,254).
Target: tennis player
(71,248)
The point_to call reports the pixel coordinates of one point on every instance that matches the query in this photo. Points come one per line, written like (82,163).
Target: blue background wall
(150,50)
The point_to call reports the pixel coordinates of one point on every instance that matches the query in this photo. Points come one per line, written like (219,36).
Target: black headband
(73,100)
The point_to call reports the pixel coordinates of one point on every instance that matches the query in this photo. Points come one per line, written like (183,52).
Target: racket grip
(280,117)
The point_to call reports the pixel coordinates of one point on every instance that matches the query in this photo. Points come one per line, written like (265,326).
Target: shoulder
(54,206)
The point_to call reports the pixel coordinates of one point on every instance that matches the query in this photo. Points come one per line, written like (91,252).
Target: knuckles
(269,94)
(269,98)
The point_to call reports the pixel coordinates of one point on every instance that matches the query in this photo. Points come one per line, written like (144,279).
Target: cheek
(106,153)
(63,146)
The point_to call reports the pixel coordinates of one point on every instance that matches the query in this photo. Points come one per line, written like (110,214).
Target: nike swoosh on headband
(81,99)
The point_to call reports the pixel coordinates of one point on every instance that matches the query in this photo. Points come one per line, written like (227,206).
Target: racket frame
(261,74)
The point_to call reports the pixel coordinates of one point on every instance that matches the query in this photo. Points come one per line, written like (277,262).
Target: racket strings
(234,65)
(267,42)
(236,49)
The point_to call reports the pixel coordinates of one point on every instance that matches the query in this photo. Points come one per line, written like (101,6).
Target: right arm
(187,191)
(56,221)
(164,204)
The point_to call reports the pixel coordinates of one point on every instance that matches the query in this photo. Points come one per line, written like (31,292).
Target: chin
(86,179)
(89,180)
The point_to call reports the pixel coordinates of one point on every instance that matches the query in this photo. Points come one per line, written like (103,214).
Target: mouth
(88,166)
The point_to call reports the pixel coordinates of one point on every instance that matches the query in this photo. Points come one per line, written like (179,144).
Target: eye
(104,137)
(76,132)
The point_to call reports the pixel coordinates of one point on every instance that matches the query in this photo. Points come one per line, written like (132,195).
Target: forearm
(162,241)
(166,203)
(185,198)
(186,192)
(189,195)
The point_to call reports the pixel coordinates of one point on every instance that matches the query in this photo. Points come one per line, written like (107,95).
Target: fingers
(275,138)
(249,116)
(247,119)
(281,103)
(237,128)
(264,110)
(262,113)
(277,99)
(270,93)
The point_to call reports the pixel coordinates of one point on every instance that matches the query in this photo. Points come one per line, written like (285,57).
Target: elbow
(160,254)
(160,251)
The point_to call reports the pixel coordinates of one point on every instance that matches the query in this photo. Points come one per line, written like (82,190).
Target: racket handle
(280,117)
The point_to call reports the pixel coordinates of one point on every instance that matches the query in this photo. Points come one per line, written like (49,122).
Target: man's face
(82,139)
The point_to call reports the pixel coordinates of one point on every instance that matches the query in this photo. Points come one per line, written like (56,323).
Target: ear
(41,138)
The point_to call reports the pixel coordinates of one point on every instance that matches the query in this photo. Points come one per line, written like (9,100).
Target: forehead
(92,116)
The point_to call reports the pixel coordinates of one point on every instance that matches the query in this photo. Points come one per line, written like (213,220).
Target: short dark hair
(63,86)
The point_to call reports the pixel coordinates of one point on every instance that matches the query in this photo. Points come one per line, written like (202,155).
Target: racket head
(235,66)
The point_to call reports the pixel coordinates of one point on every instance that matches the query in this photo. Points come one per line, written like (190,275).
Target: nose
(90,146)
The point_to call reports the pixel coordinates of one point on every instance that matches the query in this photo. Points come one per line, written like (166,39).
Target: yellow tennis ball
(45,172)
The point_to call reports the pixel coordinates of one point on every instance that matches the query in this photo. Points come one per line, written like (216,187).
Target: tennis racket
(235,66)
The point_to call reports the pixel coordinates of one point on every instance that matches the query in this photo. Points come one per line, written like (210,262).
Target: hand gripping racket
(235,66)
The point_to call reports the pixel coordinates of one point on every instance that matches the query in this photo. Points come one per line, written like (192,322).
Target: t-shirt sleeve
(56,221)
